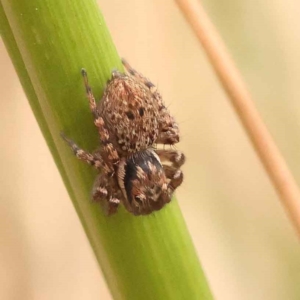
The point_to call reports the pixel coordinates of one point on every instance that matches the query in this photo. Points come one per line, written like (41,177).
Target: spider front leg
(108,149)
(105,191)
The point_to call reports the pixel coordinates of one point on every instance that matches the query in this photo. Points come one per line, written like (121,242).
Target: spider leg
(176,157)
(83,155)
(106,194)
(173,173)
(108,149)
(104,188)
(168,129)
(175,176)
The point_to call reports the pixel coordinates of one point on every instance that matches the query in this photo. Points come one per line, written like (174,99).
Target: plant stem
(237,92)
(49,41)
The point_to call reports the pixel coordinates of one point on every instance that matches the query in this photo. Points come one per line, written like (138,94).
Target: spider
(131,119)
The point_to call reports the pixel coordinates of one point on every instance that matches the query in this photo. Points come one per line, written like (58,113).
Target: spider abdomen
(130,113)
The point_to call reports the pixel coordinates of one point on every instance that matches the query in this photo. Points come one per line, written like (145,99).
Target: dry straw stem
(232,82)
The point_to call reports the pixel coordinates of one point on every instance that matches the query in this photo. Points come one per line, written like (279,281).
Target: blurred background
(245,242)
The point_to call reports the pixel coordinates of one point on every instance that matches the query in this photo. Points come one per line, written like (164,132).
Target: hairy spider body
(131,114)
(131,118)
(143,182)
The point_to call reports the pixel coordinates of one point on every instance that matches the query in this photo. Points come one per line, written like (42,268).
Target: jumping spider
(131,118)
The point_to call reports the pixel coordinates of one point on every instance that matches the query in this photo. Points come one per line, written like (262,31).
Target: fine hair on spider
(132,121)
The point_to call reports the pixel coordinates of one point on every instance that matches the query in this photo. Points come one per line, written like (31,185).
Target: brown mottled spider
(131,118)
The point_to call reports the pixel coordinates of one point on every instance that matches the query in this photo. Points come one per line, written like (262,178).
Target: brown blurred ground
(244,240)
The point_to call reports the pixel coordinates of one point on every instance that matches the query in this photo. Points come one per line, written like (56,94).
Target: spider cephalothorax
(131,119)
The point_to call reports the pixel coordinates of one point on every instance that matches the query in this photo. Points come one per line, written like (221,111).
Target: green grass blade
(49,42)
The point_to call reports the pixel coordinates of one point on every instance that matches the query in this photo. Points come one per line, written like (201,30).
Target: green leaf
(49,41)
